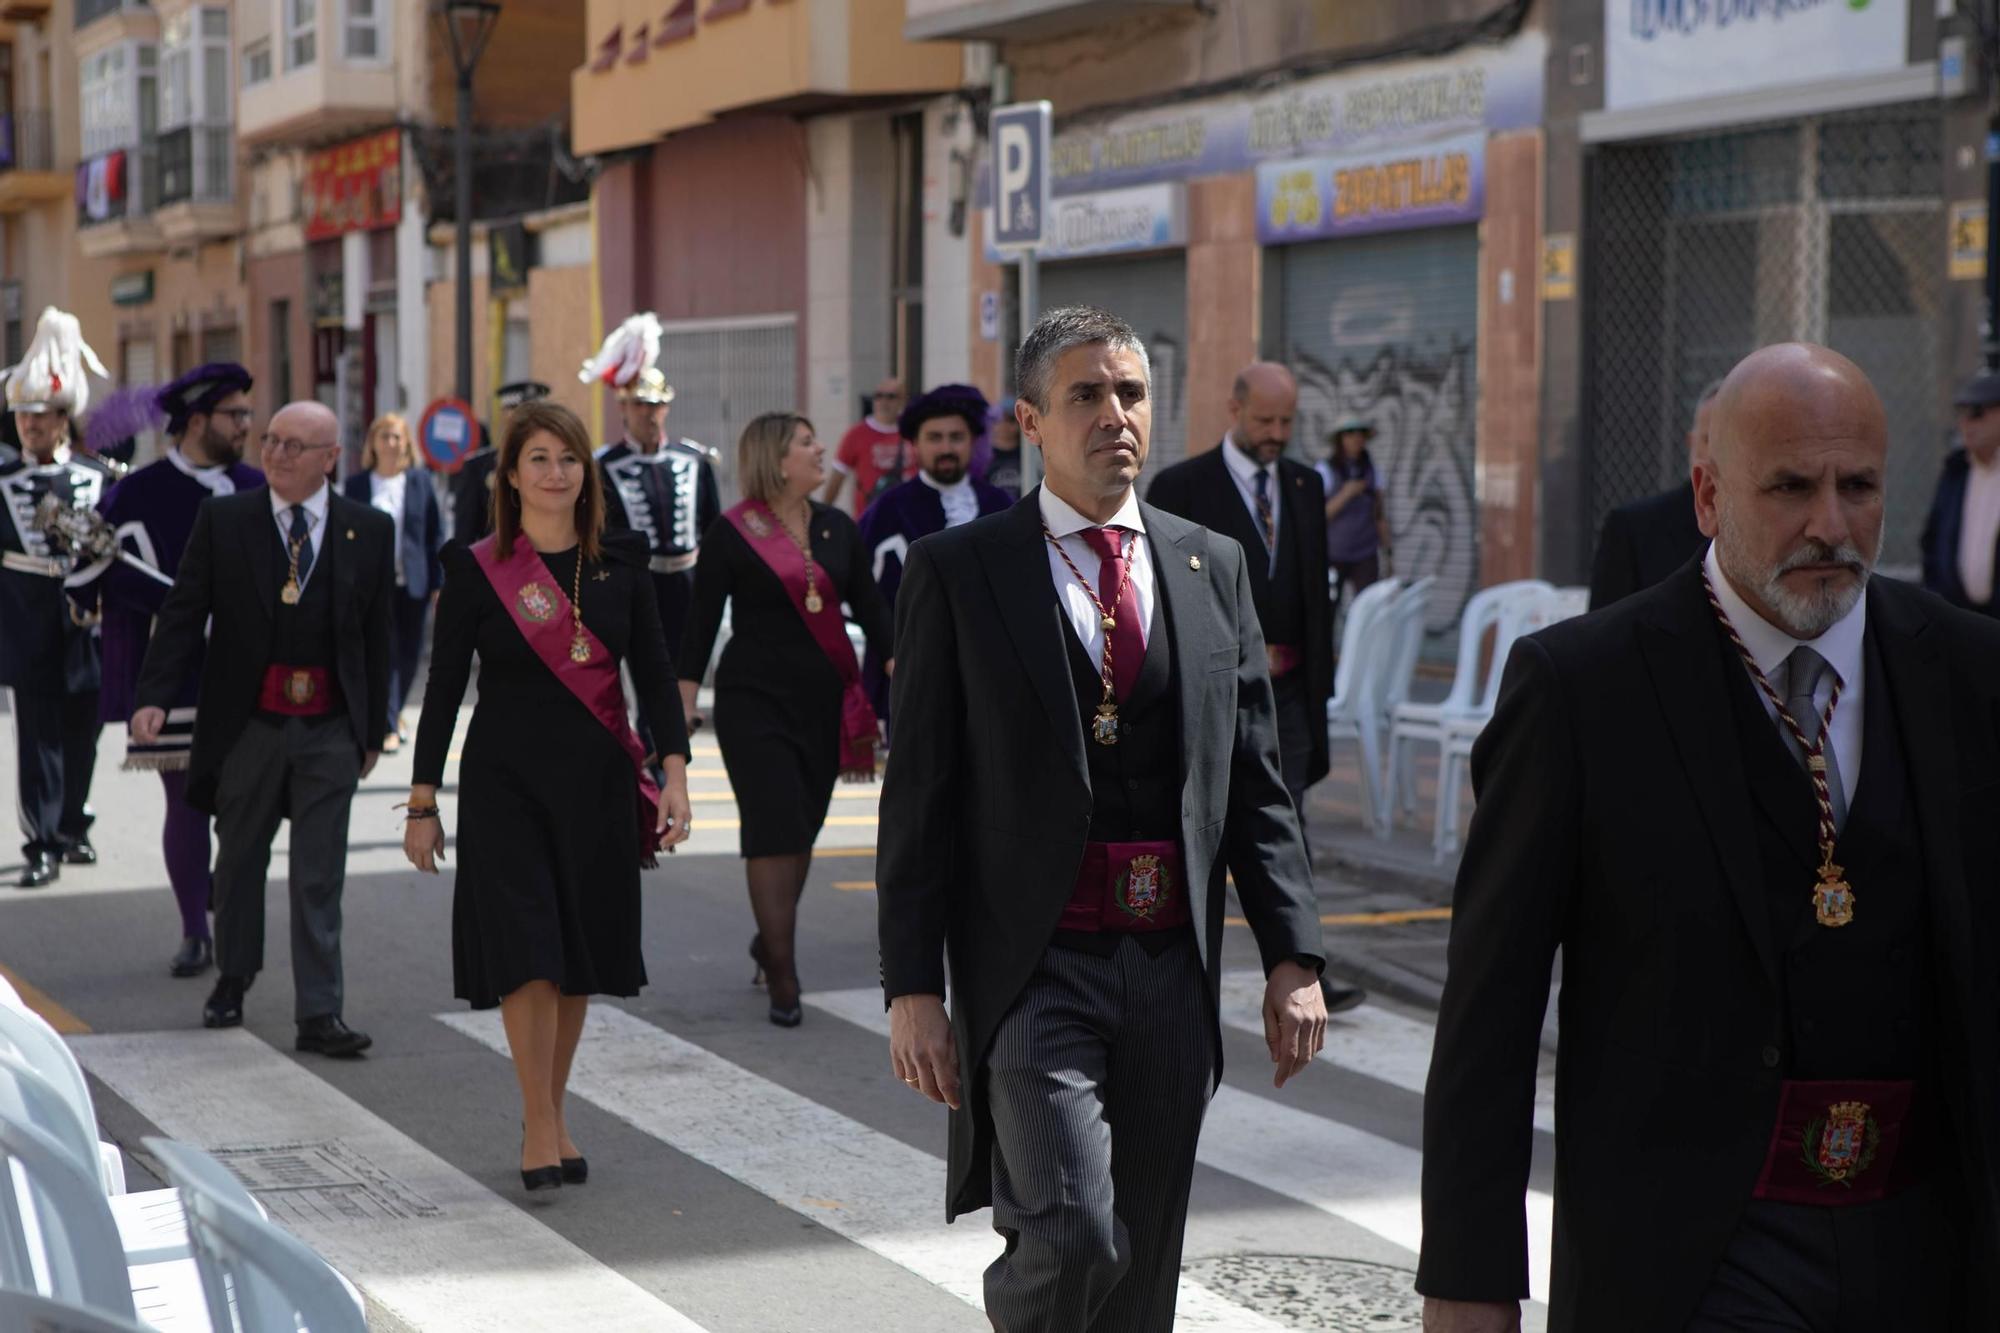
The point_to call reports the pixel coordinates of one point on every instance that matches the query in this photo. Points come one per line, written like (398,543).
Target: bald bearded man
(1752,806)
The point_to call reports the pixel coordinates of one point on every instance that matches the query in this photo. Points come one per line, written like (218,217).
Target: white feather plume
(53,369)
(633,346)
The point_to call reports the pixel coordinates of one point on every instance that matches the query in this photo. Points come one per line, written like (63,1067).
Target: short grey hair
(1061,329)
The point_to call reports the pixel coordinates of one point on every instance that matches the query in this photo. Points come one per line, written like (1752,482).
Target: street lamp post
(468,24)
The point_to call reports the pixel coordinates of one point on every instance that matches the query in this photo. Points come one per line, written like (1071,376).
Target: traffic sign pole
(1021,188)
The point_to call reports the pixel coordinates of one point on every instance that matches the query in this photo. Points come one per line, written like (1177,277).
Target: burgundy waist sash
(541,611)
(767,538)
(1839,1142)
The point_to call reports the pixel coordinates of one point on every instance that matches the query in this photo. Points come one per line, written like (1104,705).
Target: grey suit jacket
(986,804)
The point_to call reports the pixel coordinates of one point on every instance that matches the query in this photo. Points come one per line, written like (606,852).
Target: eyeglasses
(890,397)
(240,415)
(293,448)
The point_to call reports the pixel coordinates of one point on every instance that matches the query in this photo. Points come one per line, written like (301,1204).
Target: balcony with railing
(118,200)
(198,184)
(28,174)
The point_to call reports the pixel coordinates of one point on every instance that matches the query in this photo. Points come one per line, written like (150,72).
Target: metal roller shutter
(1385,328)
(1150,294)
(724,373)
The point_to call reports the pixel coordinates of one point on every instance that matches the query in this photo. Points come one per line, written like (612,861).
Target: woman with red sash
(558,810)
(790,711)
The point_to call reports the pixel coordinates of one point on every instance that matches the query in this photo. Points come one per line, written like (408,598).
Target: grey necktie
(1803,671)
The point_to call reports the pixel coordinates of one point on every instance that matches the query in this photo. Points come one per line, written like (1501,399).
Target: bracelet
(418,812)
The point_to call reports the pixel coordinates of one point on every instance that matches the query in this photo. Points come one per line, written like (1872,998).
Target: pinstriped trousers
(1097,1081)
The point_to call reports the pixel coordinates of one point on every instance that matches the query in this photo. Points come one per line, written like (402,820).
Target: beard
(947,470)
(1802,615)
(221,448)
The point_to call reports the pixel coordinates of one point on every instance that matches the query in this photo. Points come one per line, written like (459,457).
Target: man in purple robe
(208,416)
(939,427)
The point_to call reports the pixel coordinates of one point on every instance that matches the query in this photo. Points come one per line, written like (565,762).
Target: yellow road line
(725,794)
(57,1017)
(1401,918)
(843,851)
(855,885)
(832,821)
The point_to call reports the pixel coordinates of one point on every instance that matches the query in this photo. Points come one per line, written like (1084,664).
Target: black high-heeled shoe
(757,957)
(575,1171)
(542,1178)
(792,1017)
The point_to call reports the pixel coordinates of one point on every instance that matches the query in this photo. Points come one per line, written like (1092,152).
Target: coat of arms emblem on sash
(1841,1144)
(1142,889)
(534,603)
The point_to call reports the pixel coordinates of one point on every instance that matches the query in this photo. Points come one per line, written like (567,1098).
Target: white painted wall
(847,265)
(948,295)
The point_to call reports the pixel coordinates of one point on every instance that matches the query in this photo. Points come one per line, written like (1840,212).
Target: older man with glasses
(294,583)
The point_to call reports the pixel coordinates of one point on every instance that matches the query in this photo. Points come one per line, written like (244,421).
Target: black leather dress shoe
(80,853)
(225,1003)
(1339,999)
(195,957)
(42,869)
(327,1035)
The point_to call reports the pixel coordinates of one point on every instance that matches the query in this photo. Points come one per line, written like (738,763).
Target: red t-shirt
(875,458)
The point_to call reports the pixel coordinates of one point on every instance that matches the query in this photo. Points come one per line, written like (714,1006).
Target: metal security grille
(1150,294)
(1385,328)
(725,372)
(1701,250)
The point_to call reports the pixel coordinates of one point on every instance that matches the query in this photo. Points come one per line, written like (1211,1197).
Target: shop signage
(1559,266)
(132,288)
(355,186)
(1366,109)
(1145,217)
(1426,185)
(1658,51)
(1968,240)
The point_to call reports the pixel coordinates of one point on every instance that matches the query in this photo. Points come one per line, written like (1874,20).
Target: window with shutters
(257,63)
(301,33)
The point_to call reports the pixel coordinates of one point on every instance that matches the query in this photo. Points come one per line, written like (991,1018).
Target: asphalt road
(744,1178)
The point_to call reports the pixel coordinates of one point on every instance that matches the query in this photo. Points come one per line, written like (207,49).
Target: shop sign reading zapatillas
(1428,185)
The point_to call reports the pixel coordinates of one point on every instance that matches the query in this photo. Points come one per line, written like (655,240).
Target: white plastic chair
(42,1049)
(1403,626)
(1413,724)
(31,1312)
(1524,613)
(255,1276)
(1350,712)
(56,1234)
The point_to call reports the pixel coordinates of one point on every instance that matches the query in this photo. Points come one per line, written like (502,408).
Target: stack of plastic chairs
(1350,713)
(76,1251)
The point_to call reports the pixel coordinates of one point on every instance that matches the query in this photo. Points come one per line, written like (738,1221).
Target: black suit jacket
(1201,490)
(231,573)
(1616,822)
(1643,543)
(986,805)
(1942,533)
(422,532)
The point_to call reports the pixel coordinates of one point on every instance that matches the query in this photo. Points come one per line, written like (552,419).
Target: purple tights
(184,843)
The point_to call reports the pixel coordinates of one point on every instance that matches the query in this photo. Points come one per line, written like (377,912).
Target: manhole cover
(324,1182)
(1310,1292)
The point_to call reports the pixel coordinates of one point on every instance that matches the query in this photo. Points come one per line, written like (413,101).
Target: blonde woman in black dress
(791,714)
(558,812)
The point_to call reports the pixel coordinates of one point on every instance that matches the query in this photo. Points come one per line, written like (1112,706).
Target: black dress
(548,827)
(777,697)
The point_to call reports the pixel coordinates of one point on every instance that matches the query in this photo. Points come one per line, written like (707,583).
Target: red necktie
(1127,638)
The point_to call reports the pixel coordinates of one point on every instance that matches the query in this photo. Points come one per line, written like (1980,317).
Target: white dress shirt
(1841,647)
(960,504)
(315,527)
(1243,471)
(387,494)
(1065,524)
(1980,532)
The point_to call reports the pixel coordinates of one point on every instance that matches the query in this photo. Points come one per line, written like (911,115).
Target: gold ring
(912,1082)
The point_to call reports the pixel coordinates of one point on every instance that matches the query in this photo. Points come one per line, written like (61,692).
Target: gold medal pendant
(1104,727)
(579,649)
(289,594)
(1833,897)
(814,604)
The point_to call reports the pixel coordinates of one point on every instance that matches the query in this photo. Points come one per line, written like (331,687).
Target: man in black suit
(1961,541)
(1082,910)
(293,583)
(1753,808)
(1645,541)
(1245,488)
(472,485)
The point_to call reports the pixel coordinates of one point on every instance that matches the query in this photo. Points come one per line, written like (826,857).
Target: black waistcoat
(302,635)
(1136,784)
(1858,999)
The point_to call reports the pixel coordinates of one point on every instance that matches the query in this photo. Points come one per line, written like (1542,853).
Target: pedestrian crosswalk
(433,1249)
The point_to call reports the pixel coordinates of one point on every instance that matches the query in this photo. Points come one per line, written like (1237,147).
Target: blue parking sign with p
(1020,134)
